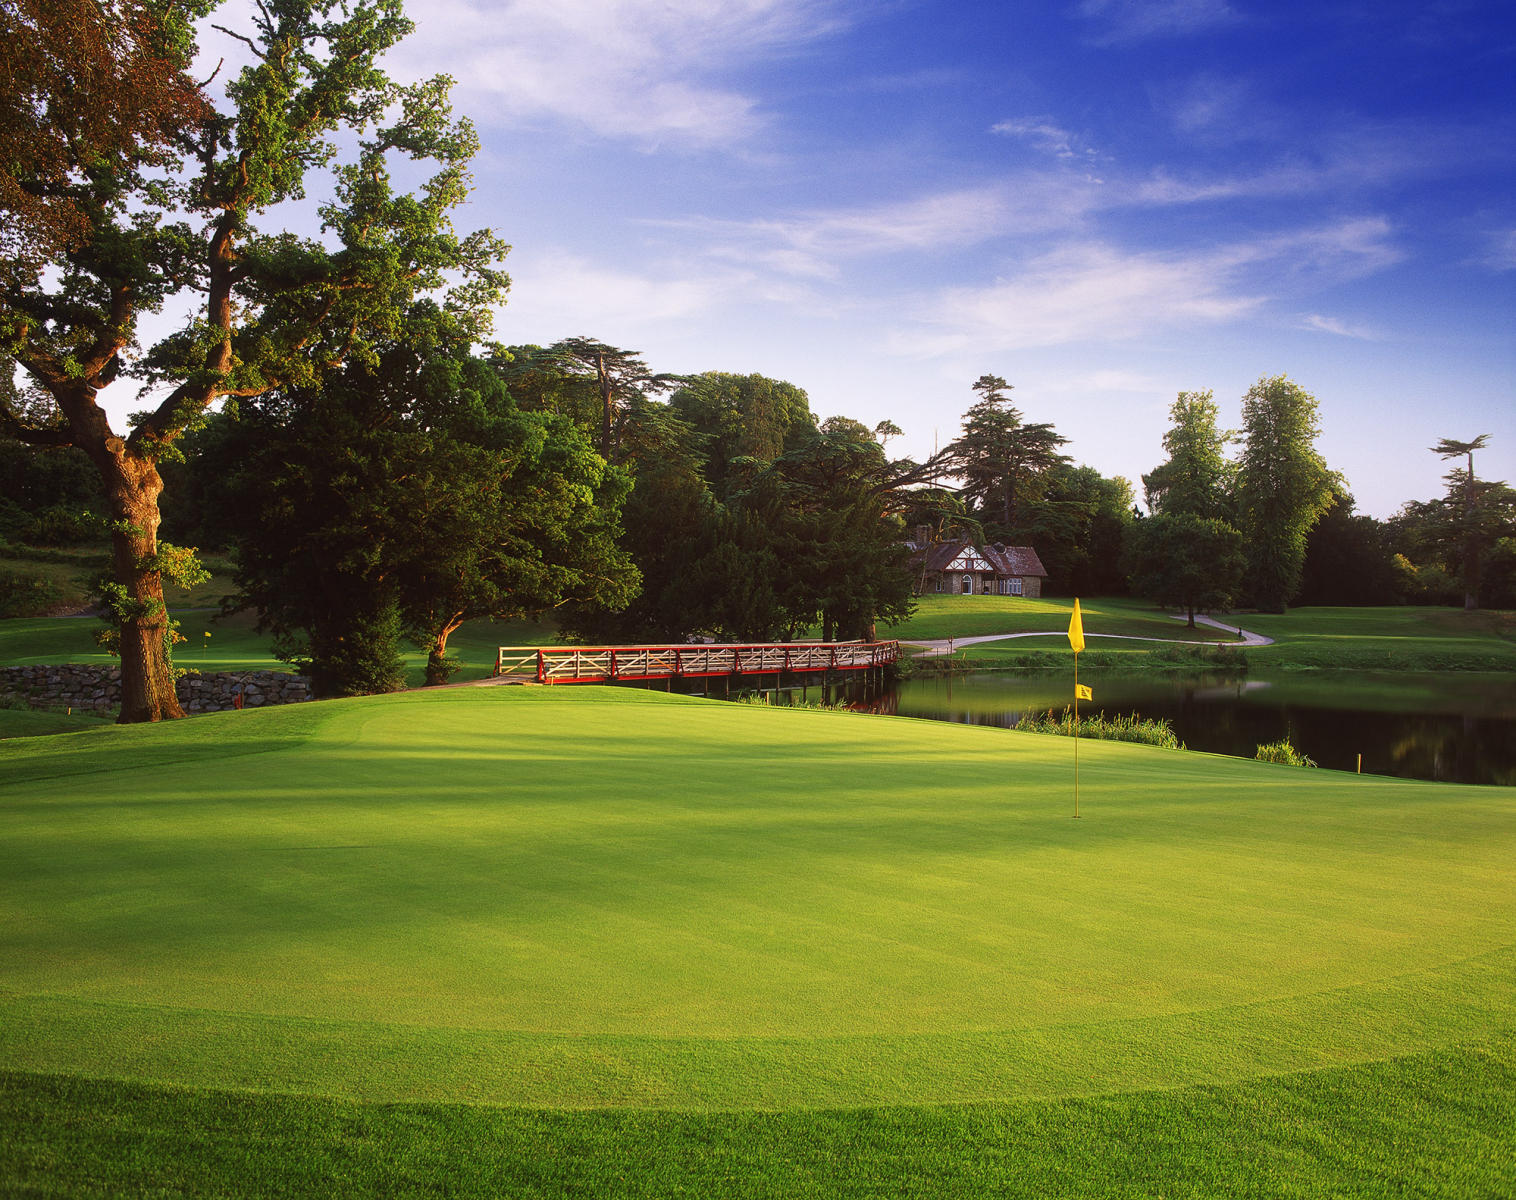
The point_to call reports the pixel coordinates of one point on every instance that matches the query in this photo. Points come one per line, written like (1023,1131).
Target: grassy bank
(556,942)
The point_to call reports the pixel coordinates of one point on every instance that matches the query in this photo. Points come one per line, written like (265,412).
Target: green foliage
(1348,560)
(1283,752)
(1197,480)
(311,112)
(1130,728)
(416,483)
(1460,546)
(1002,460)
(741,419)
(1283,486)
(1190,562)
(748,522)
(25,593)
(1078,526)
(355,652)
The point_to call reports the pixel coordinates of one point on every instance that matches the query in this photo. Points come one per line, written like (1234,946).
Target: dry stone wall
(99,688)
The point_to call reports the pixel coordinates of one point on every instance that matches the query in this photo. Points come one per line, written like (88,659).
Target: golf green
(610,898)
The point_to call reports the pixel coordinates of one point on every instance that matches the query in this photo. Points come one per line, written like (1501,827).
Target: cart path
(941,646)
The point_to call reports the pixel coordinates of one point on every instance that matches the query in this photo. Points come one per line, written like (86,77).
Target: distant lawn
(1359,639)
(939,617)
(1408,638)
(234,646)
(409,943)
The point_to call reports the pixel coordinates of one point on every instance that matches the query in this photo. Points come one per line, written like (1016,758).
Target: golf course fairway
(556,900)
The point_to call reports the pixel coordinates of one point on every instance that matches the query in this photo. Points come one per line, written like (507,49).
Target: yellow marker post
(1076,640)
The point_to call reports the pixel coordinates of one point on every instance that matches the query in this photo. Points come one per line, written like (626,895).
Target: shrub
(1130,728)
(1283,752)
(27,593)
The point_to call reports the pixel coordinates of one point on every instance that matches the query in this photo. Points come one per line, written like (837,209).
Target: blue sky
(1106,202)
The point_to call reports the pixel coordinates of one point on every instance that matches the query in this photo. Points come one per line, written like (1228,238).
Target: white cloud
(815,244)
(1078,293)
(1098,292)
(648,71)
(1323,324)
(1044,134)
(558,294)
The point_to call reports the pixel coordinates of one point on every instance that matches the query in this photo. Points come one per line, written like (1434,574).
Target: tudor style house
(958,567)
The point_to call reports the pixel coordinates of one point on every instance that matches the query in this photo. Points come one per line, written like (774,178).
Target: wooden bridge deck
(603,664)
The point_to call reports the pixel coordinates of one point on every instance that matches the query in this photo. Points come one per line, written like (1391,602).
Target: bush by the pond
(1283,752)
(1129,728)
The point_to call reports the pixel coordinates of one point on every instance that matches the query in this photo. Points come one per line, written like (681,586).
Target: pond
(1457,728)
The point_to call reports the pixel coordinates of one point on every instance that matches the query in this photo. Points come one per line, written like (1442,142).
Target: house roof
(999,558)
(1015,560)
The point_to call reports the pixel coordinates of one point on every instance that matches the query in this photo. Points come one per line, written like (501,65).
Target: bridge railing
(600,664)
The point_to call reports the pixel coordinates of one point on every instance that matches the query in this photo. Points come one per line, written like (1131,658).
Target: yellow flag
(1076,629)
(1082,693)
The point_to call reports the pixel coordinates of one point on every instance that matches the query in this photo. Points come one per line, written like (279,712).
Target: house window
(937,584)
(1013,587)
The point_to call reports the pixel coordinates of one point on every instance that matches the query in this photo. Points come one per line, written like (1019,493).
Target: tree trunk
(1192,617)
(1471,544)
(132,487)
(437,668)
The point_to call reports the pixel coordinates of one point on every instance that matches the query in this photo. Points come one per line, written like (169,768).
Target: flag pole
(1076,643)
(1076,735)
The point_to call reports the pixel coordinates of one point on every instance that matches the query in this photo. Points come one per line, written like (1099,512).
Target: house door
(968,585)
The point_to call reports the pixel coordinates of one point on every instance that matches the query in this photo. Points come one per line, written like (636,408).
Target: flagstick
(1076,735)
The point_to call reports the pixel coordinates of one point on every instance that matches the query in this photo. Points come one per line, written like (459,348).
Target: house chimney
(923,535)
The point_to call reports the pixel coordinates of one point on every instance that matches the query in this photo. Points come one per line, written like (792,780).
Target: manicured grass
(973,616)
(1403,639)
(1433,1125)
(728,924)
(25,722)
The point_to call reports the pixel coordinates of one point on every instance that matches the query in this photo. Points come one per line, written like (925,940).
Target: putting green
(603,897)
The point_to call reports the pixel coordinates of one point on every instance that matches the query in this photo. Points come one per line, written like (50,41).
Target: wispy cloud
(649,71)
(1045,135)
(1340,328)
(817,244)
(1099,292)
(1079,293)
(568,292)
(1133,20)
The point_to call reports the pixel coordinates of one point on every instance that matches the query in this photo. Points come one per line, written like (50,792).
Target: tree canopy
(272,309)
(409,496)
(1283,486)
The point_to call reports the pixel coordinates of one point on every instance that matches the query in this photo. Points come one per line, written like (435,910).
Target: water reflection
(1444,727)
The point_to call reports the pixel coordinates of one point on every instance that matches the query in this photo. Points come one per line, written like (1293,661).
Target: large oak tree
(266,307)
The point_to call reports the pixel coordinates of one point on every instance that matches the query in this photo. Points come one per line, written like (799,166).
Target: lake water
(1458,728)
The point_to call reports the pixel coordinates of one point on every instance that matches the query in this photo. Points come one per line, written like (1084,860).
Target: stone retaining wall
(99,688)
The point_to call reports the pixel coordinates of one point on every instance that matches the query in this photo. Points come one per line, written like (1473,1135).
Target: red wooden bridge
(604,664)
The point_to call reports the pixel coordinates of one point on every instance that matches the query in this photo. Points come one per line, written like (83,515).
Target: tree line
(335,409)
